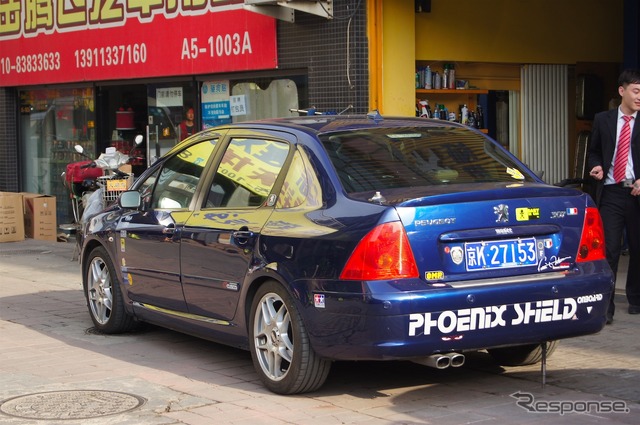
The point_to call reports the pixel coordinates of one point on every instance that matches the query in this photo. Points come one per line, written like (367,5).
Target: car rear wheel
(103,294)
(521,355)
(280,348)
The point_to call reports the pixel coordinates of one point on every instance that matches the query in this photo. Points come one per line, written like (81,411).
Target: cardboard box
(40,216)
(11,217)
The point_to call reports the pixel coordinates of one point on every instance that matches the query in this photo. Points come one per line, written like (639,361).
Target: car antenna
(375,116)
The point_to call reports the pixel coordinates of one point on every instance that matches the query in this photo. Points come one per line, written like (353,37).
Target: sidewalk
(55,369)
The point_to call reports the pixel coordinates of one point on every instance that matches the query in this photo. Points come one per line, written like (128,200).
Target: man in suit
(618,182)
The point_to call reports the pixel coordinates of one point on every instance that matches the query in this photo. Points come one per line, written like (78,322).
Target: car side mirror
(130,199)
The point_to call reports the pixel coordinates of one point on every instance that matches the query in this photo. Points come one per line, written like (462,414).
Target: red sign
(143,43)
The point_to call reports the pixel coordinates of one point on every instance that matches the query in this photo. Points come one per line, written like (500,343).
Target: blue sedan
(314,239)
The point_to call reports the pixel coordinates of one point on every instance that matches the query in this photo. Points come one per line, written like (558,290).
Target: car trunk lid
(496,231)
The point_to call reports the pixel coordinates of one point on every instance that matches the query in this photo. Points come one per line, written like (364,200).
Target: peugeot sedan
(324,238)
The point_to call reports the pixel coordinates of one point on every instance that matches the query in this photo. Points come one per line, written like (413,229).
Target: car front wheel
(103,294)
(280,347)
(521,355)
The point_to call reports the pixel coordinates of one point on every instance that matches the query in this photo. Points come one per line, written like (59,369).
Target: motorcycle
(111,183)
(94,184)
(79,178)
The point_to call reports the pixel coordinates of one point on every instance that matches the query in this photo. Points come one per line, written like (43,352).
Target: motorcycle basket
(113,186)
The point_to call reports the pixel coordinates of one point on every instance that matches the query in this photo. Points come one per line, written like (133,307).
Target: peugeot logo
(502,213)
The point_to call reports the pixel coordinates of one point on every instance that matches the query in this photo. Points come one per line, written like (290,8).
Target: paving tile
(47,344)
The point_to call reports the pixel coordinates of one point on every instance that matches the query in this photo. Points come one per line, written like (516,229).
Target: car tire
(280,348)
(103,294)
(521,355)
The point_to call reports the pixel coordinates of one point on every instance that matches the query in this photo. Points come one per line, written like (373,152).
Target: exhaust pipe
(442,361)
(456,359)
(438,361)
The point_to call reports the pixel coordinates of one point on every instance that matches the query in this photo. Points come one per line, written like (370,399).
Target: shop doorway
(122,116)
(173,115)
(155,111)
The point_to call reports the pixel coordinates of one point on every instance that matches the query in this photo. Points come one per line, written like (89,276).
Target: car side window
(247,173)
(177,181)
(301,185)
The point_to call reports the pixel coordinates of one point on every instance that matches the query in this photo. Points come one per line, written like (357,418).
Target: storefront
(98,76)
(523,61)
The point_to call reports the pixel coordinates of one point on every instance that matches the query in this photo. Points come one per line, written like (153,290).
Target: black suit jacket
(602,145)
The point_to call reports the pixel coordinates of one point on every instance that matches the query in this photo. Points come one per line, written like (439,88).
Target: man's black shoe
(609,320)
(634,309)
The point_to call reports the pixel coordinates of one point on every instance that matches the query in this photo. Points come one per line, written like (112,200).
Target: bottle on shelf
(471,121)
(444,112)
(445,77)
(428,84)
(464,114)
(479,117)
(452,77)
(437,81)
(425,109)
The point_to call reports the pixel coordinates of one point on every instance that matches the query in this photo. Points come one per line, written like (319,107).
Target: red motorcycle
(93,184)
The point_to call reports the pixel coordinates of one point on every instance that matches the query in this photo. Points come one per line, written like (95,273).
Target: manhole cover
(61,405)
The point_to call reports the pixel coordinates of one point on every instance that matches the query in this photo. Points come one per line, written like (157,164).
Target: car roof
(338,123)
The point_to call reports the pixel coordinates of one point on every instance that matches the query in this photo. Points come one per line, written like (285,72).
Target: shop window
(273,100)
(52,122)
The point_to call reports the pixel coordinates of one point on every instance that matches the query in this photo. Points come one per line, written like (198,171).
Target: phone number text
(124,54)
(36,62)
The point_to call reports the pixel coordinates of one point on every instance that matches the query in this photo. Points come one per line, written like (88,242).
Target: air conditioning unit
(284,9)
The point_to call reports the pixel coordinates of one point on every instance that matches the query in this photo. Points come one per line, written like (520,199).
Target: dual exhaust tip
(442,361)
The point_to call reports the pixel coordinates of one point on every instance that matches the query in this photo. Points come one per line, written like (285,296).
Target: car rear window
(387,158)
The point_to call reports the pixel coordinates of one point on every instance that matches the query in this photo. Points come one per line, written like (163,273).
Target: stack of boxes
(28,215)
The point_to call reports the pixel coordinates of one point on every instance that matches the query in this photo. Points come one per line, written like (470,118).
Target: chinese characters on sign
(238,105)
(129,39)
(215,103)
(28,17)
(169,96)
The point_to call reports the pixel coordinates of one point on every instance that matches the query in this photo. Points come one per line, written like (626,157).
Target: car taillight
(592,239)
(384,253)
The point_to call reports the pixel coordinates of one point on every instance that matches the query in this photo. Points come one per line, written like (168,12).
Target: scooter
(94,184)
(111,183)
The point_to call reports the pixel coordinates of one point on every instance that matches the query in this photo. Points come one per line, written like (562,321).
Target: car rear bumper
(381,323)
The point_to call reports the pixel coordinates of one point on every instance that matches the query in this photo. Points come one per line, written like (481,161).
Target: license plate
(117,185)
(501,254)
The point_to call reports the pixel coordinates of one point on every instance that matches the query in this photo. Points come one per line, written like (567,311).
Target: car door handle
(243,236)
(170,229)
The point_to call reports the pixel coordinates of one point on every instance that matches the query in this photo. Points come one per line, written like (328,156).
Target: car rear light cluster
(384,253)
(592,240)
